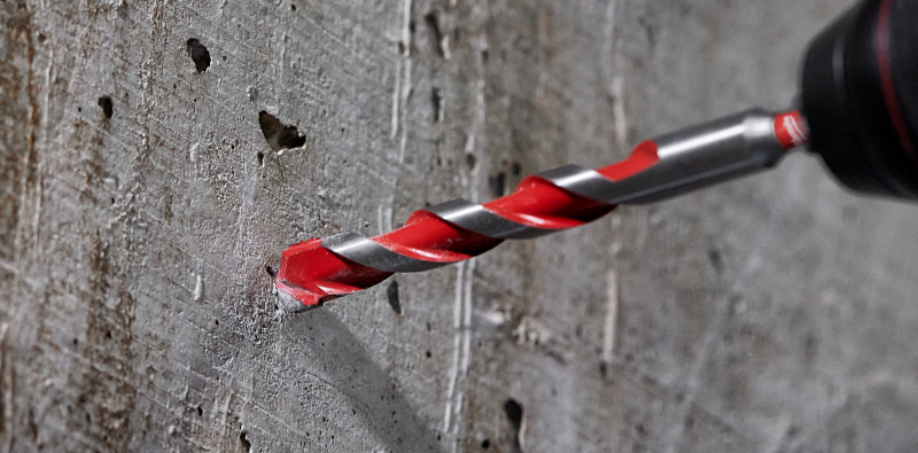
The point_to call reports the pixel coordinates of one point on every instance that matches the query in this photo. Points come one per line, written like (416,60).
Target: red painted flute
(318,270)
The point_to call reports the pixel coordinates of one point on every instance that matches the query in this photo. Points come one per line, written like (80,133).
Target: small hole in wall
(436,99)
(436,34)
(108,334)
(245,442)
(292,7)
(198,54)
(428,354)
(486,444)
(514,411)
(216,322)
(271,271)
(277,134)
(79,109)
(200,411)
(392,295)
(107,108)
(471,161)
(516,168)
(261,159)
(498,184)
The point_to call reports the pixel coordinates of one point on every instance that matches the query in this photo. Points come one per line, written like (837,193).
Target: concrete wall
(774,314)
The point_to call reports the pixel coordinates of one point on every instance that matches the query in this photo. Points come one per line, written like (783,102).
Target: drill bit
(318,270)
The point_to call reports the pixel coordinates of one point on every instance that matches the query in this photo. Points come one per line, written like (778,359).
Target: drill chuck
(860,97)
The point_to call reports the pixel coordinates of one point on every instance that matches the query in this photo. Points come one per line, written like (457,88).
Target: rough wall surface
(140,205)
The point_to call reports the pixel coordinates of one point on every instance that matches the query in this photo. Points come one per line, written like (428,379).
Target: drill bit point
(288,303)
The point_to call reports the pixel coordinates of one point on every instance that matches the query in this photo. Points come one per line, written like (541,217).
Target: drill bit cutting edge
(859,112)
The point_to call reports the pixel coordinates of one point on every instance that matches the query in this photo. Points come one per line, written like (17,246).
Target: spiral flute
(318,270)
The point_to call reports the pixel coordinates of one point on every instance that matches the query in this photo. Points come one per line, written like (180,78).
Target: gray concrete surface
(775,314)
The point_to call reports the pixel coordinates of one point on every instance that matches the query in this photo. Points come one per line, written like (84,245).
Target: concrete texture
(140,204)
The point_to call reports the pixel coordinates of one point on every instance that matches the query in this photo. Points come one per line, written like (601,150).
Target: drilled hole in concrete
(392,294)
(271,271)
(107,108)
(516,168)
(292,7)
(471,161)
(245,442)
(486,444)
(498,184)
(428,354)
(198,54)
(277,134)
(514,411)
(200,411)
(436,35)
(261,159)
(438,106)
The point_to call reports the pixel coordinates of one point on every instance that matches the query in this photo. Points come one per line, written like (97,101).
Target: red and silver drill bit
(318,270)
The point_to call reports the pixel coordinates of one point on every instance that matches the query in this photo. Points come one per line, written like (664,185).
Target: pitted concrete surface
(143,194)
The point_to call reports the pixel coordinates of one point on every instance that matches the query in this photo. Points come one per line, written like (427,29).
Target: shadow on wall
(333,354)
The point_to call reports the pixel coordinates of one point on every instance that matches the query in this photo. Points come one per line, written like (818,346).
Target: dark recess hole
(277,134)
(516,168)
(716,260)
(245,442)
(198,54)
(497,183)
(106,103)
(292,7)
(261,159)
(484,56)
(271,271)
(200,411)
(514,411)
(392,294)
(486,444)
(427,354)
(437,100)
(436,34)
(471,160)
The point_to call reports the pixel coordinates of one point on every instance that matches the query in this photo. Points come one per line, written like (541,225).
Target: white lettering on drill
(793,128)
